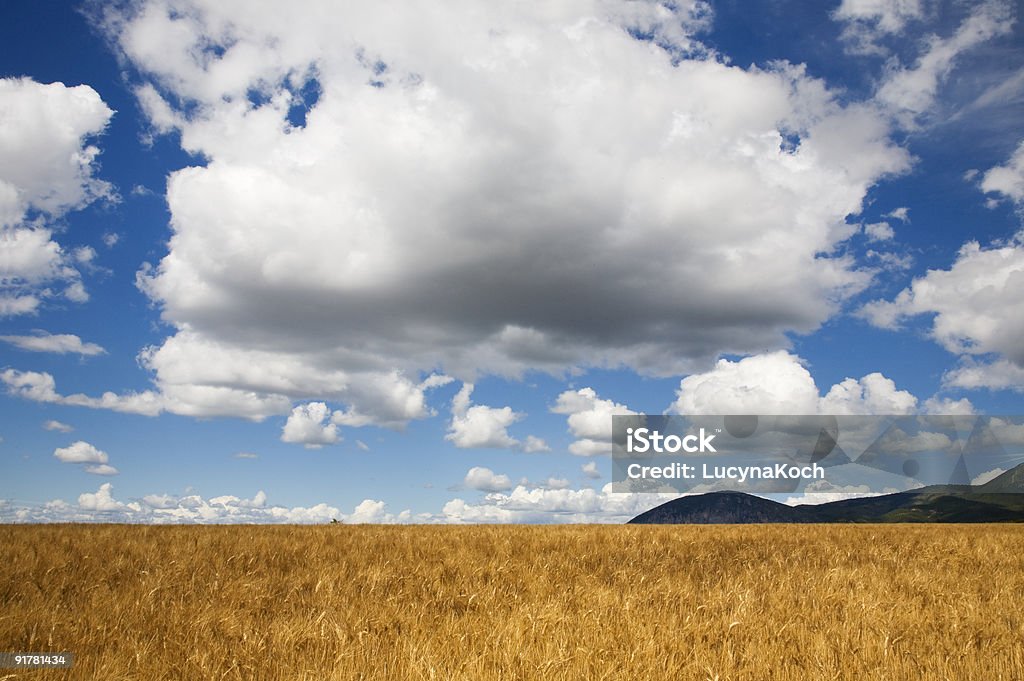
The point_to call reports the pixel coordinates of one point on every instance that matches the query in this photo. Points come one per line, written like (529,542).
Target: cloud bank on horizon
(377,204)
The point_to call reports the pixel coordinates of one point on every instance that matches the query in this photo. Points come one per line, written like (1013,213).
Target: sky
(401,263)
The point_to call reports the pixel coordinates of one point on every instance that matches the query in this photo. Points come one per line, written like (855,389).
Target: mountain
(1012,481)
(720,508)
(999,500)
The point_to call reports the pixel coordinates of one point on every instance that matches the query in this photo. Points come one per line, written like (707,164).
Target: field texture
(625,602)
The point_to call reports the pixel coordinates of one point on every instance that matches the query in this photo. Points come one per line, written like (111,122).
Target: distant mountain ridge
(999,500)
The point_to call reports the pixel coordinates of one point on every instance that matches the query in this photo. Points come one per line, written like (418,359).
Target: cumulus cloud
(310,425)
(102,506)
(589,420)
(374,511)
(779,383)
(364,229)
(590,470)
(485,480)
(772,383)
(57,343)
(996,375)
(80,452)
(872,394)
(480,426)
(978,308)
(47,169)
(546,505)
(102,500)
(1007,179)
(949,406)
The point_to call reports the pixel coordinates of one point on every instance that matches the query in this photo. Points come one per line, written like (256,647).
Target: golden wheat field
(515,602)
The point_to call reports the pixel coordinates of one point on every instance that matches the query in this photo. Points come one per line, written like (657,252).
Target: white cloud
(368,511)
(879,231)
(485,480)
(40,387)
(890,261)
(84,254)
(477,425)
(58,426)
(310,425)
(867,21)
(395,398)
(911,92)
(57,343)
(1007,91)
(101,469)
(246,455)
(998,375)
(987,476)
(46,170)
(336,255)
(540,505)
(949,406)
(12,305)
(590,470)
(779,383)
(978,308)
(102,500)
(1008,179)
(772,383)
(167,508)
(80,452)
(534,444)
(895,440)
(872,394)
(589,420)
(902,214)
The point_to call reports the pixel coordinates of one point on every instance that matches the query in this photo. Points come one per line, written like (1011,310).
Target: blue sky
(408,264)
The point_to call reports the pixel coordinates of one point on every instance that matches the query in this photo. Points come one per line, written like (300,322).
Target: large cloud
(779,383)
(527,187)
(978,308)
(46,170)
